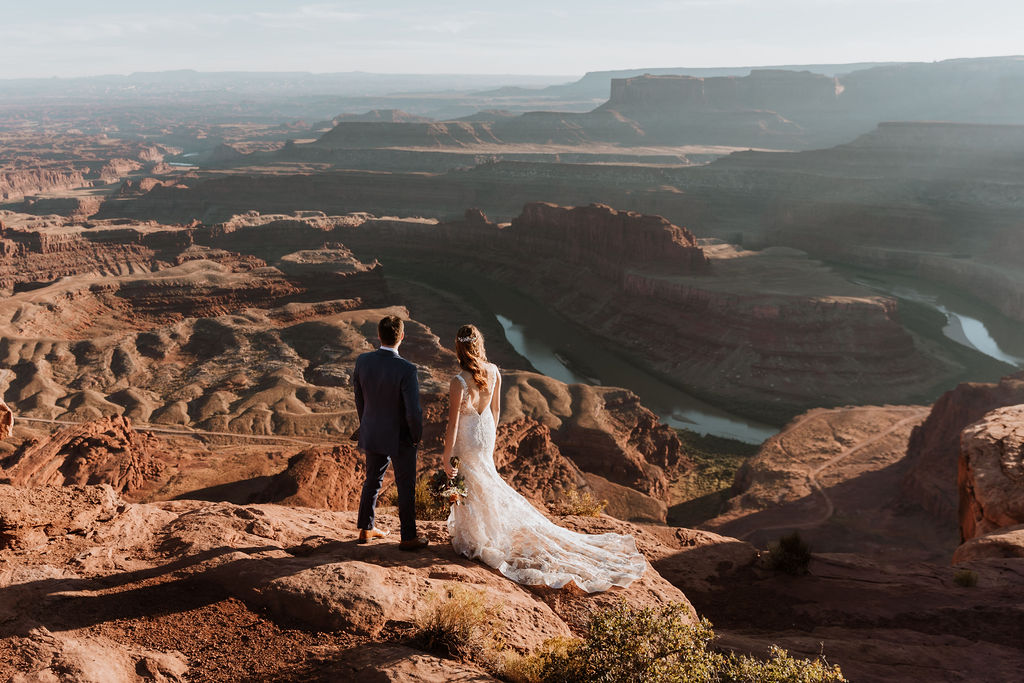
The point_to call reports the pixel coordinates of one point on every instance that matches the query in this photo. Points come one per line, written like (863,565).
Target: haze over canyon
(732,303)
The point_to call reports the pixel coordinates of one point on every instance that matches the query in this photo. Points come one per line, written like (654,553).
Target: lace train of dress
(496,525)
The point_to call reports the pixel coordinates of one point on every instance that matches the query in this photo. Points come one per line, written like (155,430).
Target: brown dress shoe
(413,544)
(367,535)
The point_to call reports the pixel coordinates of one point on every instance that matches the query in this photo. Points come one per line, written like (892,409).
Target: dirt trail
(144,427)
(812,475)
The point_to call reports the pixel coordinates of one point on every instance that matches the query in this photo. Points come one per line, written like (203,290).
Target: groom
(390,427)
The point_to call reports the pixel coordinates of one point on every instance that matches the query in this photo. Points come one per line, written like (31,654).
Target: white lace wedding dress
(501,528)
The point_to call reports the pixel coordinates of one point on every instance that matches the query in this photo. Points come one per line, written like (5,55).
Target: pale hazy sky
(76,38)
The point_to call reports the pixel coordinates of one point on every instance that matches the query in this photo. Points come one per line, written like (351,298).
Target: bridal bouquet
(451,489)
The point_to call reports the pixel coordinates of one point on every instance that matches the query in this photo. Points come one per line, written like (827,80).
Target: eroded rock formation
(605,240)
(190,328)
(323,478)
(991,473)
(106,451)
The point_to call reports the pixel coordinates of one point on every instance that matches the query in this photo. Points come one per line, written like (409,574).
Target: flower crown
(466,340)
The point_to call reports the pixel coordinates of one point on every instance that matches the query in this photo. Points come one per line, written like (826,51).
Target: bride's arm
(496,396)
(454,401)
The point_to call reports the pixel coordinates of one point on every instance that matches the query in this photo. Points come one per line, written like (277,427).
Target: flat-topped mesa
(763,89)
(598,235)
(934,136)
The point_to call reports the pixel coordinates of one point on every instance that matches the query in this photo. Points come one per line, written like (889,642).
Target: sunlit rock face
(991,473)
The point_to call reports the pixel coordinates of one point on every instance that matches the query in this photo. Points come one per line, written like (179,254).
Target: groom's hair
(390,329)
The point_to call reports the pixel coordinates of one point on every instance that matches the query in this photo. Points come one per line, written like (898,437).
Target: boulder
(991,473)
(324,478)
(934,448)
(1007,542)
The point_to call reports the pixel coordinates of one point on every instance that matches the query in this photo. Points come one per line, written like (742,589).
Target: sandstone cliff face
(17,184)
(46,249)
(991,473)
(757,110)
(934,448)
(606,240)
(33,162)
(762,89)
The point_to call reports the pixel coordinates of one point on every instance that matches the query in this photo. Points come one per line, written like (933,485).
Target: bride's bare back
(479,398)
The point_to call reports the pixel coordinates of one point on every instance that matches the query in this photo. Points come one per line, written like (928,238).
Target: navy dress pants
(405,480)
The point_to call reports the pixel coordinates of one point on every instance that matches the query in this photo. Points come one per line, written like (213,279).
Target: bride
(497,525)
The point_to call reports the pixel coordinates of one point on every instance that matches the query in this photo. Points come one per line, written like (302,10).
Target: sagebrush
(460,623)
(579,503)
(648,645)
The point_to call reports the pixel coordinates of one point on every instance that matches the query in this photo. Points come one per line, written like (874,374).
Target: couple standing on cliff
(494,523)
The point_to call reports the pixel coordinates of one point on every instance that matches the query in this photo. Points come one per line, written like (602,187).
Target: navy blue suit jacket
(387,401)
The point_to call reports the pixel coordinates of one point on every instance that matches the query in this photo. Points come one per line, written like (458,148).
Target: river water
(969,322)
(570,353)
(673,406)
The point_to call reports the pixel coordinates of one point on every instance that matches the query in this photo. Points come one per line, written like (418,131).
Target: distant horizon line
(190,70)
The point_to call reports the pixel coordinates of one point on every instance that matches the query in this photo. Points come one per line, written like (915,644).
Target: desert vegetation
(622,644)
(576,502)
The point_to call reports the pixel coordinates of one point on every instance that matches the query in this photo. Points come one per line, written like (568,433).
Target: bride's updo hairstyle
(469,347)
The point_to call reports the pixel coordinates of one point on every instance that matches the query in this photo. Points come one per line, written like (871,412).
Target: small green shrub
(460,624)
(582,504)
(428,506)
(790,554)
(965,578)
(648,645)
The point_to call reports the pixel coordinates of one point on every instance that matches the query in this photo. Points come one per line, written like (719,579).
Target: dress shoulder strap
(465,387)
(492,376)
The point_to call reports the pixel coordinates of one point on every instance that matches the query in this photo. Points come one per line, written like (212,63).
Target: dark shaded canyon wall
(934,448)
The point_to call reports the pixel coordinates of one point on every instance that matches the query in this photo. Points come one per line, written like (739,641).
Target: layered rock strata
(721,322)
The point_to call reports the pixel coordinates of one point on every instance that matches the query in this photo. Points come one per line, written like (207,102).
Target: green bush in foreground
(649,645)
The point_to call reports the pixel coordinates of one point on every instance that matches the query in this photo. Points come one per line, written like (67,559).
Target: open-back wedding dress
(501,528)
